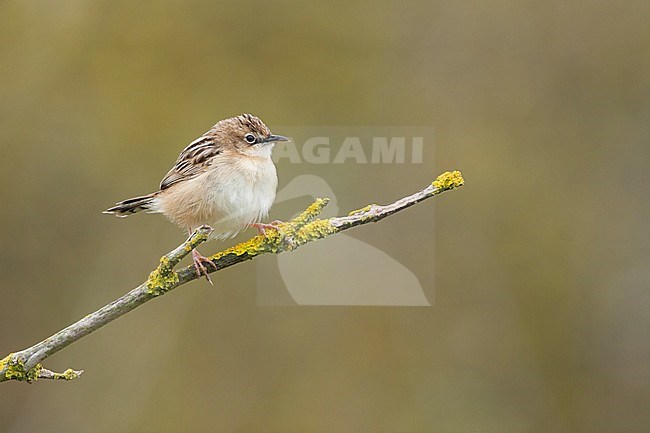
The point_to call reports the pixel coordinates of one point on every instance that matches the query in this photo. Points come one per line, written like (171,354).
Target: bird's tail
(131,206)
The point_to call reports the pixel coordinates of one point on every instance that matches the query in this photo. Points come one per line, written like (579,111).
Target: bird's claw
(262,227)
(199,266)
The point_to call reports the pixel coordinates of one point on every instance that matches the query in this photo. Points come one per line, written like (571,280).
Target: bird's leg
(199,266)
(262,227)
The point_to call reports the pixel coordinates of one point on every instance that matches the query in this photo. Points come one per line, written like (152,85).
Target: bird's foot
(263,227)
(201,269)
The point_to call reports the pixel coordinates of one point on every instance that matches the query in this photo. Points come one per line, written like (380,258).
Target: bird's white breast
(240,192)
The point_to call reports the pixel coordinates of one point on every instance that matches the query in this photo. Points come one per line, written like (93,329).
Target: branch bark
(25,365)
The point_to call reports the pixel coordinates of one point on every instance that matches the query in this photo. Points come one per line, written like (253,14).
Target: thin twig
(25,364)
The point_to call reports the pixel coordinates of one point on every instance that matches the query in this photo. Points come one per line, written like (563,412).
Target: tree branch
(25,364)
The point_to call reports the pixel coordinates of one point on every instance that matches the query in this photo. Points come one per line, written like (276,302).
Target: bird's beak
(271,138)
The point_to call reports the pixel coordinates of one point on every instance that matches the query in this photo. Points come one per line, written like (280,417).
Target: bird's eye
(250,138)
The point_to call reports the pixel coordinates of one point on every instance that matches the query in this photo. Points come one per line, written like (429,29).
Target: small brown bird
(224,179)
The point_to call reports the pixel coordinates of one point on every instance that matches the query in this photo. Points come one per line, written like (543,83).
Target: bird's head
(246,134)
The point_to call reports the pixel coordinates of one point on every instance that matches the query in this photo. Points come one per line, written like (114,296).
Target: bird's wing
(193,160)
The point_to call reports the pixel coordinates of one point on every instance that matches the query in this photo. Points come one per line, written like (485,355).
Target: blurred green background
(541,315)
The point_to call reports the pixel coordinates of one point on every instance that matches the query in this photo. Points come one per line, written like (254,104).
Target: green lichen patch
(6,365)
(314,230)
(162,278)
(449,180)
(34,373)
(310,213)
(69,374)
(15,369)
(198,239)
(252,247)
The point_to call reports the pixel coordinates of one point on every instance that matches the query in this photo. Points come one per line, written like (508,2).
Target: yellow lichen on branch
(252,247)
(15,369)
(162,278)
(69,374)
(449,180)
